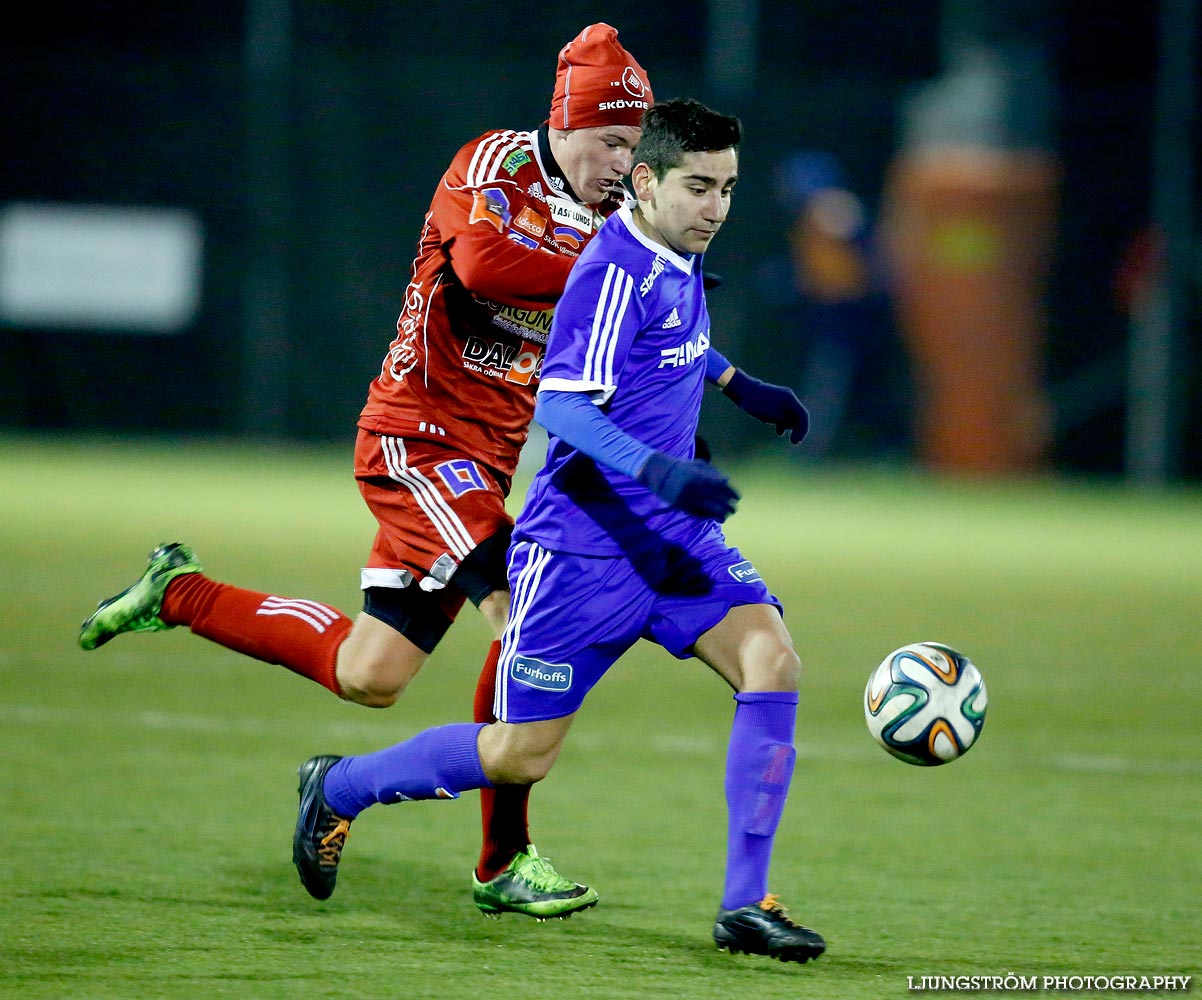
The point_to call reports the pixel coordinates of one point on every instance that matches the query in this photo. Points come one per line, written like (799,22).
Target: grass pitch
(149,787)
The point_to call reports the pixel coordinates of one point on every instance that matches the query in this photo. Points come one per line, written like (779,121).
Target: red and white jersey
(498,242)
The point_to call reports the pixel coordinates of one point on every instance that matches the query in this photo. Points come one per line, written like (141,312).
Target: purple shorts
(573,616)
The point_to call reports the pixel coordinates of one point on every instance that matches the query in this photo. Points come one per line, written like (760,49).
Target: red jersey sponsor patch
(529,220)
(492,206)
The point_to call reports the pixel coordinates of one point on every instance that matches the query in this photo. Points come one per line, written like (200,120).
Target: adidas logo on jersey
(673,319)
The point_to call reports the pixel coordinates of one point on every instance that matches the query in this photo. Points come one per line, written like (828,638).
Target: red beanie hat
(598,82)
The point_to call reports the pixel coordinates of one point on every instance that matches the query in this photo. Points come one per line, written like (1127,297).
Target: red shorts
(433,506)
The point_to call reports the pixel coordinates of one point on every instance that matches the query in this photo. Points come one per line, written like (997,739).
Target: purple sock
(438,763)
(759,766)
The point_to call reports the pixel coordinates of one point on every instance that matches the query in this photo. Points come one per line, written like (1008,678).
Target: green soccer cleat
(764,928)
(531,886)
(136,609)
(320,832)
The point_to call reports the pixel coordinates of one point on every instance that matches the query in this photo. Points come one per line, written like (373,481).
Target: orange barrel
(970,234)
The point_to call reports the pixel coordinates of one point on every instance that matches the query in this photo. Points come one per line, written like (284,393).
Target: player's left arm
(777,405)
(688,484)
(591,336)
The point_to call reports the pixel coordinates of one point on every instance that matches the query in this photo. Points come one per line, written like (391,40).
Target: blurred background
(966,232)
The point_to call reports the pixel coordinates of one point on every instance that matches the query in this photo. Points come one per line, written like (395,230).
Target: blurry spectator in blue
(834,293)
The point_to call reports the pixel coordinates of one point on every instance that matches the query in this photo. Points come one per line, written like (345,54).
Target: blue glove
(773,404)
(689,484)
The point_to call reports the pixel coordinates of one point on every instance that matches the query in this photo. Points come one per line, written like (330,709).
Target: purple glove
(772,404)
(689,484)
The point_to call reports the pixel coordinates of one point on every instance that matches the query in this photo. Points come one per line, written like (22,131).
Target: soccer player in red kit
(439,439)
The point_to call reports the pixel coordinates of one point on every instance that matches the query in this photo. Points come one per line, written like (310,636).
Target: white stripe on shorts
(524,593)
(446,522)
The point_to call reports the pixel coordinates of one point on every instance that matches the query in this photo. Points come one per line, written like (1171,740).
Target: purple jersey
(631,331)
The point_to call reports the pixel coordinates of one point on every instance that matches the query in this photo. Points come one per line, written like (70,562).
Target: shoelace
(538,874)
(770,904)
(332,843)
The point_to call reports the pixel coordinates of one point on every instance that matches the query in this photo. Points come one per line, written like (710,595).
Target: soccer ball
(926,703)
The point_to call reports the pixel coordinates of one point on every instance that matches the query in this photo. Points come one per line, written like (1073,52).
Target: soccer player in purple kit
(619,539)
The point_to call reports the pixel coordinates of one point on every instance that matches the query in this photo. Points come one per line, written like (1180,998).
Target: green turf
(149,787)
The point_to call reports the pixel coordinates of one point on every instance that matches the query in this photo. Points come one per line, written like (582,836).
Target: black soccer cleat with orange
(764,928)
(320,833)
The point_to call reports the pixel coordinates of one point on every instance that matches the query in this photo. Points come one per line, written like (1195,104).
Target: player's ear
(642,180)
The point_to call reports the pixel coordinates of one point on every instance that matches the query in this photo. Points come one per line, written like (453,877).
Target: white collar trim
(685,264)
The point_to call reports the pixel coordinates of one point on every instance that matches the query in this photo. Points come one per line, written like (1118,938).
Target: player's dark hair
(673,128)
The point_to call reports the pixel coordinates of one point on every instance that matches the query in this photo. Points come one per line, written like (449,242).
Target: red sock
(301,635)
(503,810)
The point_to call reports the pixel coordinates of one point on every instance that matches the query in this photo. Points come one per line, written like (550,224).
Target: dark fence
(329,177)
